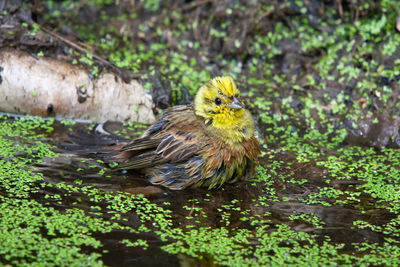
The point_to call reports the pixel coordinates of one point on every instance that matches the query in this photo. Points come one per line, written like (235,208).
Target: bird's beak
(236,104)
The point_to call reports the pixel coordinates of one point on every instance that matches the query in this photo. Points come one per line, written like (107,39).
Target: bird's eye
(218,101)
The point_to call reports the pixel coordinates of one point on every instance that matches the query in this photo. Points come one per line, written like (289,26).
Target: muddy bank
(320,77)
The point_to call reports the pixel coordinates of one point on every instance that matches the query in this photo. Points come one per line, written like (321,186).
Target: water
(282,199)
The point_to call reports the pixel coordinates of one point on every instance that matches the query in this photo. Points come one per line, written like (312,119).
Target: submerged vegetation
(322,80)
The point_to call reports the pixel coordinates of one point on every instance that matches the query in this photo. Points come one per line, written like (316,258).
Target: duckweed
(316,198)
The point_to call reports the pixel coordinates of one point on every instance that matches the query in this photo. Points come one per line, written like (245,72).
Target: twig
(124,75)
(195,4)
(265,14)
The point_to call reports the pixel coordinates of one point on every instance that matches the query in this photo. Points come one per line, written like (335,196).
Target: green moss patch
(322,80)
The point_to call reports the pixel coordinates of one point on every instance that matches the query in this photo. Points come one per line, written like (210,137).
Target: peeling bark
(50,87)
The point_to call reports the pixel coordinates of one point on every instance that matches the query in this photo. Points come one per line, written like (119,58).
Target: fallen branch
(50,87)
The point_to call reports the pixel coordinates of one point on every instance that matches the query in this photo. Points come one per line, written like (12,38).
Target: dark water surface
(243,205)
(321,78)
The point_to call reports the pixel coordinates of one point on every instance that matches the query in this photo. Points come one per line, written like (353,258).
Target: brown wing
(175,138)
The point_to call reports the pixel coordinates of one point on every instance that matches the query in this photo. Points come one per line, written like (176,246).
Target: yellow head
(219,104)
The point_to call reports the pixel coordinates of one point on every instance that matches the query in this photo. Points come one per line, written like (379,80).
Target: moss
(306,79)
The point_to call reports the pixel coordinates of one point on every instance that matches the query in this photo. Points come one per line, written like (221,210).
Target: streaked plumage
(206,144)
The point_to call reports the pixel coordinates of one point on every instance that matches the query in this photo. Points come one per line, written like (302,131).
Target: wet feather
(206,144)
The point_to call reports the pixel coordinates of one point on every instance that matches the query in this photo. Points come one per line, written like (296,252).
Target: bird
(205,144)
